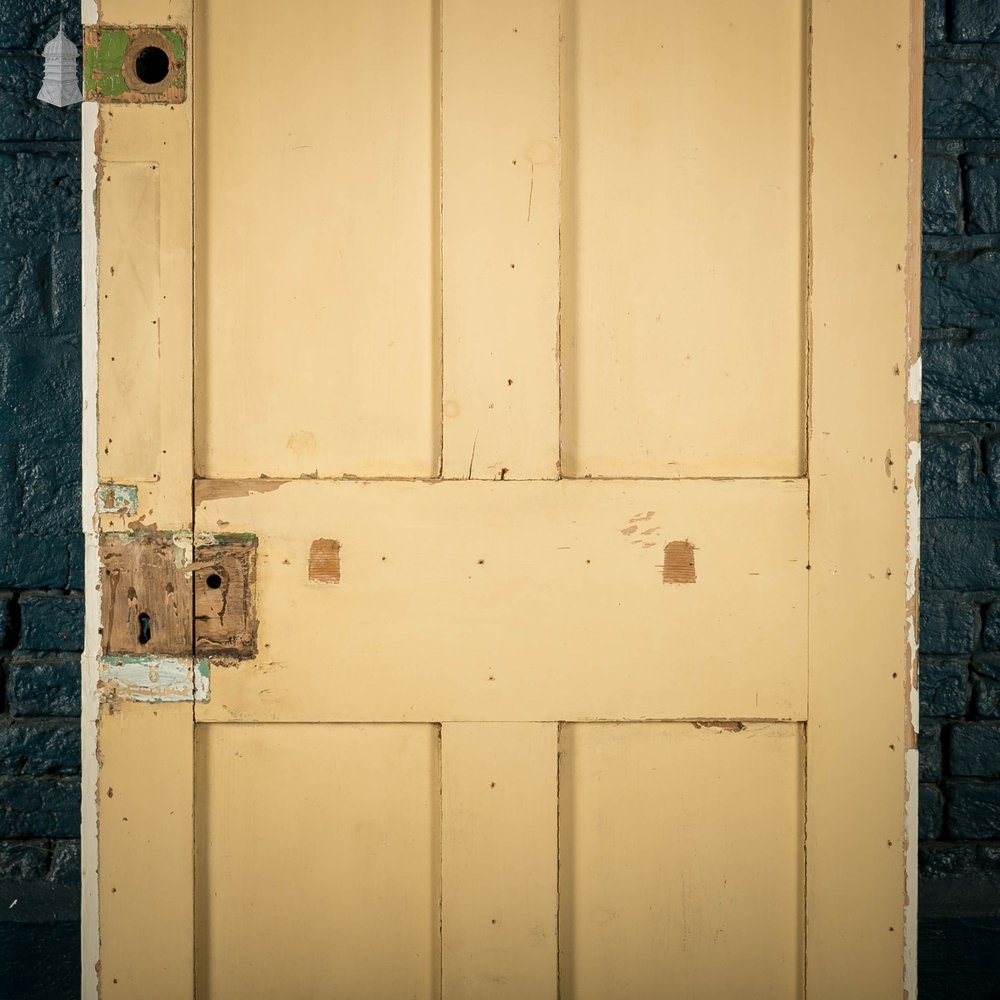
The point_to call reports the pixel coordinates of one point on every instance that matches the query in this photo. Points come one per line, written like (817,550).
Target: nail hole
(144,630)
(214,581)
(152,64)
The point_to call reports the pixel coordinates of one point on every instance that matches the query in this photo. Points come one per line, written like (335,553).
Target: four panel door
(499,517)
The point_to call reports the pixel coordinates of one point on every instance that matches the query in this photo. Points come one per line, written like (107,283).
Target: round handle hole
(152,64)
(214,581)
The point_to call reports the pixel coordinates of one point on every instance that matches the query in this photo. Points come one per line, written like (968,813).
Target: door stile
(864,191)
(145,869)
(500,239)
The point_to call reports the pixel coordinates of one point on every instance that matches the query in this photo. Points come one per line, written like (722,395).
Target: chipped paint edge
(914,387)
(114,498)
(153,679)
(90,700)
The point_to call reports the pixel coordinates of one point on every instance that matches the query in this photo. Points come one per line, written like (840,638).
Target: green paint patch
(102,64)
(176,44)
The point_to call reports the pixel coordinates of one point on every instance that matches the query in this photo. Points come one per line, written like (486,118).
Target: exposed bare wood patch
(678,563)
(223,489)
(729,727)
(225,603)
(146,605)
(324,560)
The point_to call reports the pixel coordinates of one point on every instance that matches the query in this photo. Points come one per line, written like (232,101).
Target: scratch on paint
(472,457)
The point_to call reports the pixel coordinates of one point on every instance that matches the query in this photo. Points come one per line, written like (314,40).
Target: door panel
(530,601)
(330,889)
(317,176)
(681,861)
(683,235)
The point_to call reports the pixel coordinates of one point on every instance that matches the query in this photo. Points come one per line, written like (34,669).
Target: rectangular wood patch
(225,599)
(146,604)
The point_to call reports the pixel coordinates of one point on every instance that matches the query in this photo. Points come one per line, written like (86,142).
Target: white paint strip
(90,699)
(153,678)
(912,518)
(915,381)
(910,912)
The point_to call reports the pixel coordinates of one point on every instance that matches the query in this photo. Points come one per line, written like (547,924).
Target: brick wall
(41,608)
(960,557)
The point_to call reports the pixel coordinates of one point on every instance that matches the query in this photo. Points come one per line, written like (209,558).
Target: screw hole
(144,630)
(214,581)
(152,64)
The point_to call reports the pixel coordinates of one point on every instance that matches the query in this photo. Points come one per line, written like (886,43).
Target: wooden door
(502,473)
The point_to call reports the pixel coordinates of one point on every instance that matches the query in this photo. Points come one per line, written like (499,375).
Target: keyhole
(152,64)
(144,631)
(214,581)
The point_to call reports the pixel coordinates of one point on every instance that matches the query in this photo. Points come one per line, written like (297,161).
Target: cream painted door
(503,460)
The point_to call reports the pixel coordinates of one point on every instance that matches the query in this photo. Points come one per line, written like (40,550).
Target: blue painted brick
(991,628)
(40,961)
(953,482)
(975,21)
(39,194)
(40,749)
(65,866)
(24,859)
(8,618)
(52,623)
(962,97)
(961,291)
(29,24)
(75,551)
(982,177)
(944,688)
(935,21)
(944,860)
(974,749)
(973,810)
(986,697)
(930,812)
(35,560)
(23,290)
(40,291)
(942,195)
(929,746)
(43,689)
(949,622)
(22,116)
(959,554)
(30,807)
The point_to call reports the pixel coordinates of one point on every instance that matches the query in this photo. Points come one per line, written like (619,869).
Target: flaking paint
(153,679)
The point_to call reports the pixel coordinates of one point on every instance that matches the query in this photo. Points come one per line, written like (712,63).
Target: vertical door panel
(317,215)
(681,861)
(318,861)
(683,238)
